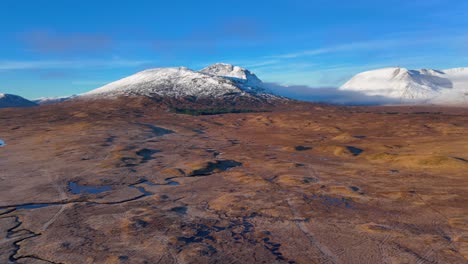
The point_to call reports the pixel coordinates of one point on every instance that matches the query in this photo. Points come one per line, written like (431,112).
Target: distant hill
(10,100)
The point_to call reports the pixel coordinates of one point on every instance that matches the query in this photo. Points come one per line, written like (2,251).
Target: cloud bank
(331,95)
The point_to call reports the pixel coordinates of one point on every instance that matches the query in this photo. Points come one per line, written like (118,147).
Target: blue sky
(52,48)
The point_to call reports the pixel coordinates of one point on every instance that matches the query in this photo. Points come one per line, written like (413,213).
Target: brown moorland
(129,181)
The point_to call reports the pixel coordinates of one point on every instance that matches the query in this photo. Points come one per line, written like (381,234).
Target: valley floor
(306,184)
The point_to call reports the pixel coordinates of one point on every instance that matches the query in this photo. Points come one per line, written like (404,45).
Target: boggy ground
(129,182)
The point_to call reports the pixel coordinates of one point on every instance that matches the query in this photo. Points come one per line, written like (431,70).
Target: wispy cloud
(409,39)
(233,32)
(256,64)
(54,74)
(366,45)
(51,42)
(70,64)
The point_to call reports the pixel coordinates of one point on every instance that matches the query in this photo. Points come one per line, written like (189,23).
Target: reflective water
(35,206)
(75,188)
(355,151)
(212,167)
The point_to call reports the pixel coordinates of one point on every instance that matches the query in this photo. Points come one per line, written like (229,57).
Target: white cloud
(260,63)
(329,95)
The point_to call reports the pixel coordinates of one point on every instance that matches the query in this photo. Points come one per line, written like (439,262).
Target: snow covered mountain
(413,86)
(10,100)
(215,81)
(52,100)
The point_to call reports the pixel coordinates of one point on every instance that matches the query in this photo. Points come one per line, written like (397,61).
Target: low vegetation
(212,111)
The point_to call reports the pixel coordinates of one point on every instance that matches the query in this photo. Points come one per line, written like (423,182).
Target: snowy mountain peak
(242,76)
(231,71)
(214,81)
(424,85)
(173,82)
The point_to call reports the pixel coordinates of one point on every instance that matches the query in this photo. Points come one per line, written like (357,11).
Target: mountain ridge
(52,100)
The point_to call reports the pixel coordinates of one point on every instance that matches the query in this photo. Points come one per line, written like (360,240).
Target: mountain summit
(413,86)
(240,75)
(215,81)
